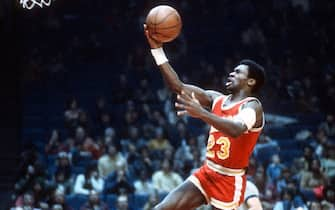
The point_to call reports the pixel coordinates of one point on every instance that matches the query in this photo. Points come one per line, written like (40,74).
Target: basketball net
(29,4)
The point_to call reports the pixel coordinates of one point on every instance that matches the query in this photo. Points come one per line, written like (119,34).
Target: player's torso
(227,151)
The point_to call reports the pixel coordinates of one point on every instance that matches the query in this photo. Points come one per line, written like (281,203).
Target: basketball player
(236,121)
(251,198)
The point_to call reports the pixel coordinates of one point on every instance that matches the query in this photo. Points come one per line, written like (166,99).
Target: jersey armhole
(263,116)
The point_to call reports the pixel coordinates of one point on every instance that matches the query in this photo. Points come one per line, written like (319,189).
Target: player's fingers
(179,106)
(146,33)
(195,98)
(181,113)
(181,99)
(186,96)
(145,26)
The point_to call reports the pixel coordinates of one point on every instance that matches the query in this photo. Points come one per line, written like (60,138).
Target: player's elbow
(236,132)
(176,89)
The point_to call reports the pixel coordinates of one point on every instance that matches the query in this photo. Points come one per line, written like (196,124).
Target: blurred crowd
(129,146)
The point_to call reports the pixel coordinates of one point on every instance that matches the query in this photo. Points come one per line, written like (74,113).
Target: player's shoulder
(252,102)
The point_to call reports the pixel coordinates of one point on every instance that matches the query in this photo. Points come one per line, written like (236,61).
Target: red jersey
(227,151)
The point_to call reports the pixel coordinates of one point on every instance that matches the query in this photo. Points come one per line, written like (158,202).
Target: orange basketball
(164,23)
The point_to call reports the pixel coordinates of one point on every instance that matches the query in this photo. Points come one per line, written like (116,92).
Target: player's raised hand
(188,105)
(152,42)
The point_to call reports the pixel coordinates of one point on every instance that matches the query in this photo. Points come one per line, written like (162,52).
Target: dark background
(299,45)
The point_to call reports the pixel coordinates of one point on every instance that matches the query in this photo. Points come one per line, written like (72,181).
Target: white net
(29,4)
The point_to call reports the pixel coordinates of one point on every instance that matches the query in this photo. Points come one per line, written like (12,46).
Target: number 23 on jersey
(224,143)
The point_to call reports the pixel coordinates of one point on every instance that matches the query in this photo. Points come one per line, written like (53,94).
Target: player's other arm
(253,203)
(249,117)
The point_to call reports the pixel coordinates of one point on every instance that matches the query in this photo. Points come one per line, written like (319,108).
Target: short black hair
(255,71)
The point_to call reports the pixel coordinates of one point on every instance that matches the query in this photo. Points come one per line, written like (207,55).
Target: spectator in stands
(266,189)
(56,207)
(94,202)
(328,126)
(91,180)
(184,151)
(30,171)
(143,185)
(92,148)
(55,144)
(123,90)
(313,180)
(308,156)
(104,122)
(152,201)
(159,142)
(264,142)
(71,114)
(62,183)
(63,170)
(298,169)
(144,93)
(283,180)
(58,198)
(111,162)
(315,205)
(274,169)
(287,202)
(80,136)
(28,202)
(299,199)
(145,161)
(85,122)
(134,138)
(187,157)
(165,180)
(322,141)
(328,162)
(122,203)
(44,206)
(39,190)
(109,135)
(119,182)
(100,109)
(133,160)
(328,200)
(131,116)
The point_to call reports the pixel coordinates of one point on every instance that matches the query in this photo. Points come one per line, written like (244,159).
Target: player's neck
(234,97)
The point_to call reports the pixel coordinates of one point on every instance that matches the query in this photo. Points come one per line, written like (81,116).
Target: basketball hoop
(29,4)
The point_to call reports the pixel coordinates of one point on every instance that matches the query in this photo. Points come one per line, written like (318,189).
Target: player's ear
(251,82)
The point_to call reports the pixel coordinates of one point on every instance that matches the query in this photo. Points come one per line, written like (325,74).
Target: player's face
(237,78)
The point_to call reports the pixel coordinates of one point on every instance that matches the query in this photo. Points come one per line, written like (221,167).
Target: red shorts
(222,187)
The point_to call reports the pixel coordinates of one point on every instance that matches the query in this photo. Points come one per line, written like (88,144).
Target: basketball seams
(163,19)
(169,27)
(164,23)
(154,24)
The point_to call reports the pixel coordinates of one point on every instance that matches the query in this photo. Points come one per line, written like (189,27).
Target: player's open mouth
(229,81)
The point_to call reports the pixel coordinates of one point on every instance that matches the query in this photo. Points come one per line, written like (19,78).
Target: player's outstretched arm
(172,79)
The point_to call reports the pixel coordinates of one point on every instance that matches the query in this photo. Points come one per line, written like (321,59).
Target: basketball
(163,23)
